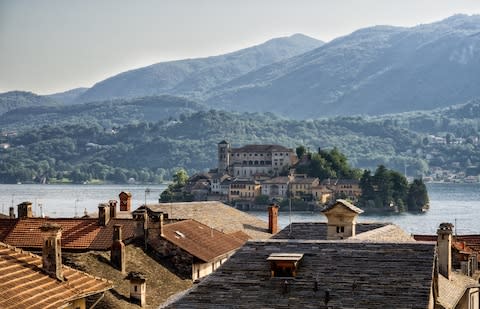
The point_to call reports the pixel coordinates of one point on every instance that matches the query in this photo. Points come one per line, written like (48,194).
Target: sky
(49,46)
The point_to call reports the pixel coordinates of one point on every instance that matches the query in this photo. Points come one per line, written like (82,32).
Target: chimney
(103,214)
(125,201)
(160,223)
(52,250)
(117,252)
(138,288)
(113,208)
(11,213)
(25,210)
(444,247)
(273,218)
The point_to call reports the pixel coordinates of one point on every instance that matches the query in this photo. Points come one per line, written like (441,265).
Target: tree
(180,178)
(417,199)
(300,150)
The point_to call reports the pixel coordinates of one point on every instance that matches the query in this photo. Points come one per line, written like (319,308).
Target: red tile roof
(200,240)
(472,241)
(6,225)
(23,284)
(77,234)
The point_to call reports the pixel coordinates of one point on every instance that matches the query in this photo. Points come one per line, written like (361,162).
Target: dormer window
(284,264)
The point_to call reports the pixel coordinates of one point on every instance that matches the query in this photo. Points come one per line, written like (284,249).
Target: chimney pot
(117,252)
(125,201)
(138,287)
(25,210)
(273,219)
(444,247)
(113,208)
(52,250)
(103,214)
(11,213)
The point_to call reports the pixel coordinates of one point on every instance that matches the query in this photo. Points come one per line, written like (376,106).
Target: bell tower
(223,157)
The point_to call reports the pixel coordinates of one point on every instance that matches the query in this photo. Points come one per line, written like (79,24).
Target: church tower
(223,157)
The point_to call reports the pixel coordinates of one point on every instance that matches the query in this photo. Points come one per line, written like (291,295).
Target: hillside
(68,96)
(109,114)
(192,77)
(372,71)
(20,99)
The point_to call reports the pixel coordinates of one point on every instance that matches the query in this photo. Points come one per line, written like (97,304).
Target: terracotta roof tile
(200,240)
(6,225)
(77,234)
(23,284)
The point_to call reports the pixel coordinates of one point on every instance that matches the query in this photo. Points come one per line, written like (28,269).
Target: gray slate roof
(217,215)
(356,274)
(345,204)
(318,230)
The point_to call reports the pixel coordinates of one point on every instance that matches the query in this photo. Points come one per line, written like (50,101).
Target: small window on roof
(179,234)
(284,264)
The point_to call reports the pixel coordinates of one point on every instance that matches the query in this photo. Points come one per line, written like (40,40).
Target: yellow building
(246,190)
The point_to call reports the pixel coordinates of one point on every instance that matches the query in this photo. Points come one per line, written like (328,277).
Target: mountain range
(372,71)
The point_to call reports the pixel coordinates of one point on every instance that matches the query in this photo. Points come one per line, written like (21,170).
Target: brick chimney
(113,208)
(125,201)
(11,213)
(117,252)
(138,288)
(273,219)
(103,214)
(444,249)
(52,250)
(25,210)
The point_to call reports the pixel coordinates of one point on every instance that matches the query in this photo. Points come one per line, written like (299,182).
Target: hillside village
(251,176)
(209,255)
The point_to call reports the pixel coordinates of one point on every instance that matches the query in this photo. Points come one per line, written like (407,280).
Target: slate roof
(277,180)
(355,274)
(345,204)
(23,284)
(451,291)
(304,180)
(389,232)
(318,230)
(215,214)
(262,148)
(199,240)
(77,234)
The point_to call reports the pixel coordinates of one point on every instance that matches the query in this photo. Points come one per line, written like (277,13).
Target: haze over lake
(455,203)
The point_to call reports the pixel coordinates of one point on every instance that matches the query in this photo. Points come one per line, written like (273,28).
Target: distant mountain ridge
(373,71)
(193,77)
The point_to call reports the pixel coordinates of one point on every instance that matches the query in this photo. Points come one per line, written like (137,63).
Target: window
(135,288)
(340,229)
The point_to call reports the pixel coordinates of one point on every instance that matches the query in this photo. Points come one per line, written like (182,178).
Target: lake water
(455,203)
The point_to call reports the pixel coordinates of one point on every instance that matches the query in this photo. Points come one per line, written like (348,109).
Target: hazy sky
(49,46)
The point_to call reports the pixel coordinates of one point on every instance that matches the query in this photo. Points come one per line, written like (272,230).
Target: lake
(449,202)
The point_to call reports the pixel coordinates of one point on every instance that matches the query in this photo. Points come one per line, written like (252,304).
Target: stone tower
(223,157)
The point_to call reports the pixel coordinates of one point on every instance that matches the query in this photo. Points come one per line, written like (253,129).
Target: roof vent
(284,264)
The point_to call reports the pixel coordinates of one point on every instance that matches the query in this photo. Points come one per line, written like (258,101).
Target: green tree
(417,198)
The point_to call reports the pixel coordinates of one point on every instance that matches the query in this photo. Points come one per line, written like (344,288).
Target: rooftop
(23,284)
(345,204)
(262,148)
(318,230)
(231,220)
(343,274)
(199,240)
(77,233)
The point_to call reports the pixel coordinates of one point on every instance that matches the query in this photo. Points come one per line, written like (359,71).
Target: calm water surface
(456,203)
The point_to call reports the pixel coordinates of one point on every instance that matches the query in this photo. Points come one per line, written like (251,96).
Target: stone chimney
(103,214)
(113,208)
(273,219)
(117,252)
(160,224)
(11,213)
(125,201)
(138,288)
(444,249)
(52,250)
(25,210)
